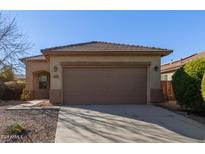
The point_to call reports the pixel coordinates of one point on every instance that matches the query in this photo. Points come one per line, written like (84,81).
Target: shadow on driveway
(125,123)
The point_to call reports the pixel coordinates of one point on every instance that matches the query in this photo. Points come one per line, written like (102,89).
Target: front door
(42,85)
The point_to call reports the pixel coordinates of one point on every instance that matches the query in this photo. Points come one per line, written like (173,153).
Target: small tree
(6,74)
(13,44)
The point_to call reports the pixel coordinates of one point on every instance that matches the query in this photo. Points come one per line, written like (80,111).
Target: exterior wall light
(156,68)
(55,68)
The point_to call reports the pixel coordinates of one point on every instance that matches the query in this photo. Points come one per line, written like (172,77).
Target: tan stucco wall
(169,76)
(56,83)
(32,66)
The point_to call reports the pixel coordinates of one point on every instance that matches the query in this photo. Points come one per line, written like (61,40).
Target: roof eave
(172,69)
(48,53)
(23,60)
(166,53)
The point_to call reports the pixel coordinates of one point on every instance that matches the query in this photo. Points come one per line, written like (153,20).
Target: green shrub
(25,94)
(203,87)
(15,129)
(186,84)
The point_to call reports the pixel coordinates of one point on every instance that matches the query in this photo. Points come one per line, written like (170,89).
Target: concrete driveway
(125,123)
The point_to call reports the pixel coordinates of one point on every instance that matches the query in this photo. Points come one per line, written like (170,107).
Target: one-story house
(96,73)
(168,69)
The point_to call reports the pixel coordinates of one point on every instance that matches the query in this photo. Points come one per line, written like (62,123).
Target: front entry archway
(41,84)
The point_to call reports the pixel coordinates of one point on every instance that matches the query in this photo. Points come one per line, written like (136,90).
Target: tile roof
(37,57)
(174,65)
(97,46)
(103,46)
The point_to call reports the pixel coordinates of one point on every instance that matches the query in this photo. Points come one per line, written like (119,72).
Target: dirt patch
(40,125)
(172,106)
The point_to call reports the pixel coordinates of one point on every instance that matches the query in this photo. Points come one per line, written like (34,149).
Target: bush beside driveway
(188,85)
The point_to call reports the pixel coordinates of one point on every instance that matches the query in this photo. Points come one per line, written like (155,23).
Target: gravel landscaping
(40,125)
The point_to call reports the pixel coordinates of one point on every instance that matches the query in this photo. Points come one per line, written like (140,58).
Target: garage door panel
(104,85)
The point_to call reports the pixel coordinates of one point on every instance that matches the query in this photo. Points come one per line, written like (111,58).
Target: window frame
(43,84)
(164,77)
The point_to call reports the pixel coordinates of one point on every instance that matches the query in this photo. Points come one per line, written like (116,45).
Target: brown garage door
(104,85)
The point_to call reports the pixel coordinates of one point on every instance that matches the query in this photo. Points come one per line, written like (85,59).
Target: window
(43,82)
(164,77)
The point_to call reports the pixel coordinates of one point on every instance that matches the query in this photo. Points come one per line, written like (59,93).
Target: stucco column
(148,85)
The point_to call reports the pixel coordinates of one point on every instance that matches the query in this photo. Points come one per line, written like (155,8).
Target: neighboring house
(168,69)
(96,73)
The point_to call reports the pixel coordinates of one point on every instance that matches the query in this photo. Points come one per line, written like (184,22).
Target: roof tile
(103,46)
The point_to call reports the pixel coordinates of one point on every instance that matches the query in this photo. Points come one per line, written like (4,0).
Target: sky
(181,31)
